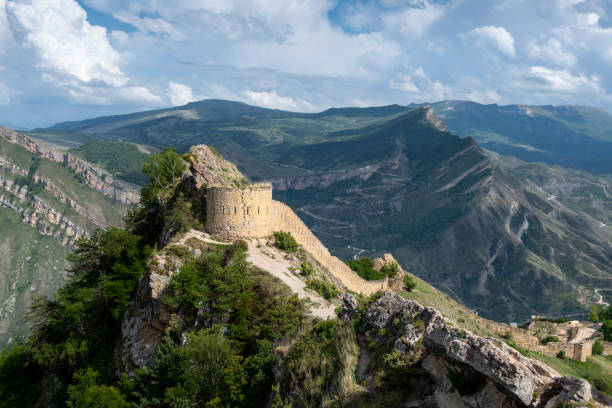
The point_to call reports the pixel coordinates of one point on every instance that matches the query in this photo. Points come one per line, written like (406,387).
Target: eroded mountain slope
(48,200)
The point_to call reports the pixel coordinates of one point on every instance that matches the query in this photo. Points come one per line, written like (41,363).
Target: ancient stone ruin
(250,212)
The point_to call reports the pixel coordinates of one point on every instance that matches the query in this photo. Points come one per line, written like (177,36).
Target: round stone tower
(235,213)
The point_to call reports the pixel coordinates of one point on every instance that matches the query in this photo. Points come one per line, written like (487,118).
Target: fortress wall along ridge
(233,213)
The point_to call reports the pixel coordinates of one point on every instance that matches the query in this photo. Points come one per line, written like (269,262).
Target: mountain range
(507,237)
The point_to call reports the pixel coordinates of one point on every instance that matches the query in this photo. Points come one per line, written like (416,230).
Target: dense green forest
(121,159)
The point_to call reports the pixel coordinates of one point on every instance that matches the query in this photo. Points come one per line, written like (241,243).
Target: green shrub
(364,267)
(409,283)
(311,374)
(548,319)
(326,289)
(87,393)
(306,268)
(391,269)
(285,241)
(598,348)
(561,355)
(179,251)
(594,312)
(549,339)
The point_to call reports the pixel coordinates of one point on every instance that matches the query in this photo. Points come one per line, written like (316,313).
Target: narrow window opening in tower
(235,210)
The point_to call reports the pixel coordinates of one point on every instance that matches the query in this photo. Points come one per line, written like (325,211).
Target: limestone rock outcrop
(96,178)
(39,214)
(145,321)
(508,379)
(209,168)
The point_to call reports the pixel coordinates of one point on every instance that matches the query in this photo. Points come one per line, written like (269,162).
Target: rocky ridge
(455,367)
(497,375)
(41,215)
(94,177)
(53,189)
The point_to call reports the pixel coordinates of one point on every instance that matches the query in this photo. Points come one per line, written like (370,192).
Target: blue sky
(68,60)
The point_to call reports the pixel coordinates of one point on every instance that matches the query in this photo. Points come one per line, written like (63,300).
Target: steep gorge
(47,204)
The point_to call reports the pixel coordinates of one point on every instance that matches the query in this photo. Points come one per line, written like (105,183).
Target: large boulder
(503,376)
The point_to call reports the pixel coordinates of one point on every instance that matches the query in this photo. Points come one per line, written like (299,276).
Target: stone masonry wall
(576,351)
(286,220)
(233,213)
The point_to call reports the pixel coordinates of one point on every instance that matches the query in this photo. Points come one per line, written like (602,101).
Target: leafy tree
(87,393)
(82,321)
(162,170)
(364,267)
(549,339)
(594,312)
(606,313)
(606,329)
(390,269)
(16,373)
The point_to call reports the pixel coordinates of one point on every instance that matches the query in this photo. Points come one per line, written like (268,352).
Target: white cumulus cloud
(58,31)
(416,82)
(270,99)
(180,94)
(498,37)
(564,81)
(552,51)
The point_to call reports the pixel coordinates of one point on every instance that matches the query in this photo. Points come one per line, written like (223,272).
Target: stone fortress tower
(233,213)
(250,212)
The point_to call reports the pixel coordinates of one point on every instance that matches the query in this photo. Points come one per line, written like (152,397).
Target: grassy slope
(98,205)
(427,295)
(20,278)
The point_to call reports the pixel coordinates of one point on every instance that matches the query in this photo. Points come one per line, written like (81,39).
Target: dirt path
(202,236)
(279,267)
(585,332)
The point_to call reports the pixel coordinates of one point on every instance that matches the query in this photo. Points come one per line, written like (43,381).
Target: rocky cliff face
(44,208)
(39,214)
(464,370)
(95,178)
